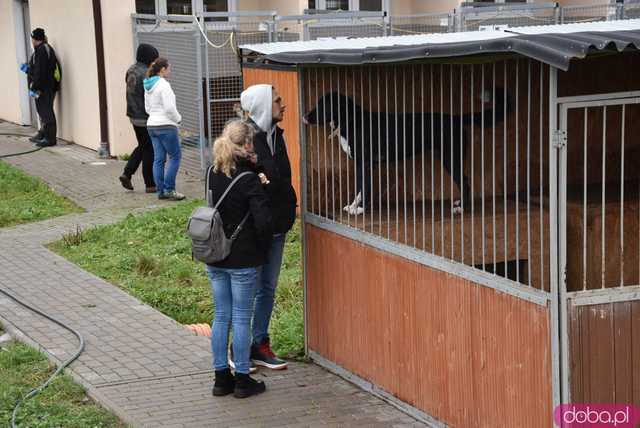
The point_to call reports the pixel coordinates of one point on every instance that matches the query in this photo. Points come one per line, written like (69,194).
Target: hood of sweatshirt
(150,83)
(257,101)
(146,54)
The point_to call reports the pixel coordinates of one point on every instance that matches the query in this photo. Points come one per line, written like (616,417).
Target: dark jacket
(247,196)
(277,168)
(145,55)
(41,67)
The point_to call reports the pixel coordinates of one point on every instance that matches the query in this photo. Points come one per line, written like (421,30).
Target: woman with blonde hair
(245,208)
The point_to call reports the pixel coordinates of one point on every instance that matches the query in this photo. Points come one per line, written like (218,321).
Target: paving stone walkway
(139,363)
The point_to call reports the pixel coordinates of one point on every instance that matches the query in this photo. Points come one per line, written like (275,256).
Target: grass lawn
(149,256)
(62,404)
(27,199)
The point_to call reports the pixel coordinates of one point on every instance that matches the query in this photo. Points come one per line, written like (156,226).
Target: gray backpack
(206,230)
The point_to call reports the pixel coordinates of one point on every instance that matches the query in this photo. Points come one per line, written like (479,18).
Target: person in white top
(162,124)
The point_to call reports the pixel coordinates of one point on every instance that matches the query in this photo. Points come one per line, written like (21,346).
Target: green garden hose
(20,153)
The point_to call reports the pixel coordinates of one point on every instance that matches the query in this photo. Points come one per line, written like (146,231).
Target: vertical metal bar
(197,40)
(362,153)
(493,170)
(347,115)
(404,155)
(452,160)
(311,145)
(304,199)
(529,171)
(332,143)
(413,163)
(355,147)
(395,96)
(622,202)
(462,181)
(208,104)
(317,82)
(326,174)
(584,202)
(371,149)
(433,208)
(379,138)
(604,177)
(422,116)
(557,248)
(482,165)
(386,98)
(517,242)
(441,157)
(472,130)
(505,190)
(541,176)
(340,125)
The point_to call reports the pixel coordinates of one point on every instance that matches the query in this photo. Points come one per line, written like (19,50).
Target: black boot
(224,384)
(246,386)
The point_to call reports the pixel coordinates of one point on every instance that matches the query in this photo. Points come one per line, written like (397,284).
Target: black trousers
(143,153)
(44,106)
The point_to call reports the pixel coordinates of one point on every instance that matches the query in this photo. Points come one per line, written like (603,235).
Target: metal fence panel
(179,44)
(421,24)
(471,19)
(592,13)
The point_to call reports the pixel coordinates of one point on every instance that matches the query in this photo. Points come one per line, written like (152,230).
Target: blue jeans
(165,143)
(233,292)
(266,288)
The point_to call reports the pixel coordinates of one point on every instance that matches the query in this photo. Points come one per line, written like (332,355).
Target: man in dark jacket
(265,109)
(145,55)
(43,87)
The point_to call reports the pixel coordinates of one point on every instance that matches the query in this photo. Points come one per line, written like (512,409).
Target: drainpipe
(103,151)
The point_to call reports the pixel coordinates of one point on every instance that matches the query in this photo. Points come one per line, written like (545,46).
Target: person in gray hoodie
(163,122)
(145,55)
(264,109)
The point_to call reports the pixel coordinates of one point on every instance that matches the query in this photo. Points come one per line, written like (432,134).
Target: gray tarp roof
(552,44)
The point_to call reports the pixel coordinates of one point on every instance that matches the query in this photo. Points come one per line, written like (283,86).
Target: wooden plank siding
(286,82)
(463,353)
(605,353)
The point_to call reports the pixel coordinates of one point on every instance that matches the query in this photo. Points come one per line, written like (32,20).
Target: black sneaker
(36,138)
(262,355)
(252,366)
(126,182)
(246,386)
(224,384)
(45,143)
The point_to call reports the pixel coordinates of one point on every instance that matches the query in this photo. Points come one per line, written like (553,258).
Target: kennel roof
(552,44)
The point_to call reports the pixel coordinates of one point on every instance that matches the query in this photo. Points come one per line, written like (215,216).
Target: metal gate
(599,247)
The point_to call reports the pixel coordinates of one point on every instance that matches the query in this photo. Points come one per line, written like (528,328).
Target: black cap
(146,54)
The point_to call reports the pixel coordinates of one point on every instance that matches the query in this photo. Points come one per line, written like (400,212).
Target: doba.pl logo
(597,416)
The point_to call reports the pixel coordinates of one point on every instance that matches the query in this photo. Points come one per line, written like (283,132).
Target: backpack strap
(208,193)
(210,197)
(235,180)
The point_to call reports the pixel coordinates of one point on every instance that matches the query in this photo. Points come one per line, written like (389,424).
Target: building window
(215,5)
(337,5)
(146,6)
(364,5)
(371,5)
(179,7)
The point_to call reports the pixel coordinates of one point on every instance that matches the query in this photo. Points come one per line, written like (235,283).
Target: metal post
(199,40)
(304,202)
(555,333)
